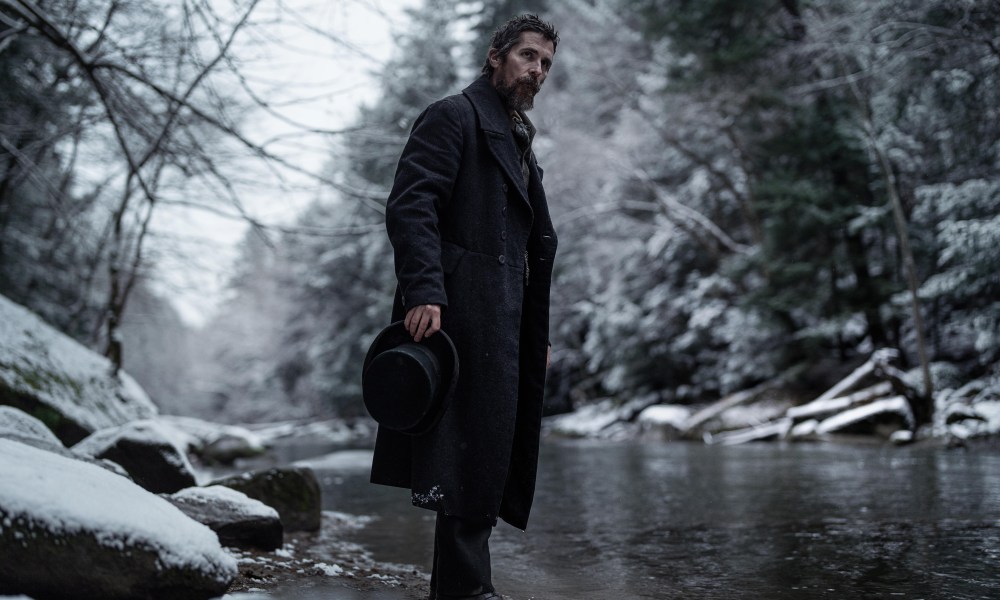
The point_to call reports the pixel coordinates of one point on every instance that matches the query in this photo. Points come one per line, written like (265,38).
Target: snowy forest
(744,191)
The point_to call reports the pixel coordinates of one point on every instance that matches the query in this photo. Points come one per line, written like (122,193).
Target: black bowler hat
(407,385)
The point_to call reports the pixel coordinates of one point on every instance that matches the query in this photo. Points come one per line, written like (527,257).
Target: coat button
(503,234)
(504,188)
(504,210)
(502,259)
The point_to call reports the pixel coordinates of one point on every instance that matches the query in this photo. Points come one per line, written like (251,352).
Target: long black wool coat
(462,223)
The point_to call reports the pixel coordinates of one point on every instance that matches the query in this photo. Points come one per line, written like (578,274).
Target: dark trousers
(461,557)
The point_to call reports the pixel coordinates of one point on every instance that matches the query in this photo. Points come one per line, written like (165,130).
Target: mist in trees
(743,191)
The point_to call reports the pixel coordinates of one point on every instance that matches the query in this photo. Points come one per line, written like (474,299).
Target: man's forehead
(535,40)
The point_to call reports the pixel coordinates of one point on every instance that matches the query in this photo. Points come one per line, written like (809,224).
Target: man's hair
(510,32)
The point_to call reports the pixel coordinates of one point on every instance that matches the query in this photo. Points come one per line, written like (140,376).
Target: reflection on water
(759,521)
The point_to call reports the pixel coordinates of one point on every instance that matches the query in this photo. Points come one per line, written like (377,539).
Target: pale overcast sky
(285,61)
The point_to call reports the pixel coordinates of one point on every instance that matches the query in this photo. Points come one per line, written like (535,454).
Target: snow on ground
(42,362)
(69,496)
(240,503)
(671,415)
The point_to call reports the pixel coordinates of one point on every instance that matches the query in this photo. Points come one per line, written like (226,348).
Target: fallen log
(822,406)
(898,405)
(715,409)
(772,429)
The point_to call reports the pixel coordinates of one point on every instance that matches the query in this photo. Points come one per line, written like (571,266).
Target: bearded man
(473,245)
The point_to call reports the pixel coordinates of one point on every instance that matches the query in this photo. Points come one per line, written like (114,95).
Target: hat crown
(406,385)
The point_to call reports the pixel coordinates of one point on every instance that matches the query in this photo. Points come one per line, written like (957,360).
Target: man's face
(519,75)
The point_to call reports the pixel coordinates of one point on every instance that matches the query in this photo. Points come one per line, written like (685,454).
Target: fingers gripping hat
(407,385)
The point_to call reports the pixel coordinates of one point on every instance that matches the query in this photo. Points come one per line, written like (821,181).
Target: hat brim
(444,350)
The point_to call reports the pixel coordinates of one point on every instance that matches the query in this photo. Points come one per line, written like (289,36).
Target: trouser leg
(461,557)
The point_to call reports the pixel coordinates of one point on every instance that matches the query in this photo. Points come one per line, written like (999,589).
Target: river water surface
(685,520)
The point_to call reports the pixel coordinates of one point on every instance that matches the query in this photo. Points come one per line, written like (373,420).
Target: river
(764,521)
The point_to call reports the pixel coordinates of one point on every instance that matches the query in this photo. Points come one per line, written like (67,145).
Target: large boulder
(71,530)
(59,381)
(238,520)
(293,491)
(147,450)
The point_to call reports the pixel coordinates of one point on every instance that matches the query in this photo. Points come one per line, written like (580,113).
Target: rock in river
(71,530)
(294,492)
(238,519)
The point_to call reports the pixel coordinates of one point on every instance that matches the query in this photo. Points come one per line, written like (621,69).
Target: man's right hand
(423,321)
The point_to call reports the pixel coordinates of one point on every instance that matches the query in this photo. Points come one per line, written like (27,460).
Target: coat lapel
(495,123)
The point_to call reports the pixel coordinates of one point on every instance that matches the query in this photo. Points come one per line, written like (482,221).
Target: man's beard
(521,94)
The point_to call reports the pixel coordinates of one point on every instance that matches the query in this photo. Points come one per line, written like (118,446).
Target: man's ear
(494,57)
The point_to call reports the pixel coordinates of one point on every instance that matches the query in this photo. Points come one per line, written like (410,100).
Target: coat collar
(485,98)
(495,122)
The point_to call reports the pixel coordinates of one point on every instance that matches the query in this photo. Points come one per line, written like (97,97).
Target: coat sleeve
(425,178)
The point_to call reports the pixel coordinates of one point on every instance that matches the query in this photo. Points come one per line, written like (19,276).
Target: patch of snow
(586,420)
(244,505)
(433,495)
(672,415)
(68,496)
(900,437)
(44,363)
(352,521)
(19,423)
(330,570)
(343,460)
(990,411)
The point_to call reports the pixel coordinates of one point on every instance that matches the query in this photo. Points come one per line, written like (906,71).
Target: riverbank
(324,559)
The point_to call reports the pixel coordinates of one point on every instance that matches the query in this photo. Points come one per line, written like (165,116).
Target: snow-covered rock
(147,450)
(238,520)
(58,380)
(293,491)
(69,529)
